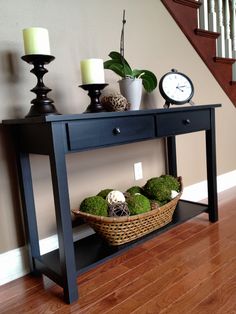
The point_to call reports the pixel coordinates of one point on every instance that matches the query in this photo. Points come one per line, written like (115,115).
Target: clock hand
(179,88)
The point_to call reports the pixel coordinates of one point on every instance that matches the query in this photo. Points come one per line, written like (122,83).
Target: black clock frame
(170,101)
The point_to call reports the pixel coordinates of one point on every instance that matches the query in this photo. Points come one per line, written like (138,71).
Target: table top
(82,116)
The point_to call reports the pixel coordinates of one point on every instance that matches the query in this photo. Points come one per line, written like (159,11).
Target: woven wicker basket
(120,230)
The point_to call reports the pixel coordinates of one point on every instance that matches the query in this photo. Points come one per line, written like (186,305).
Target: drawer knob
(116,131)
(187,121)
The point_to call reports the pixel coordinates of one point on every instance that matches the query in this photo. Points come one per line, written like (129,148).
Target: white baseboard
(198,191)
(14,263)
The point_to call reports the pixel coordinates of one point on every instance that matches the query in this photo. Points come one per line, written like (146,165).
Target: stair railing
(220,16)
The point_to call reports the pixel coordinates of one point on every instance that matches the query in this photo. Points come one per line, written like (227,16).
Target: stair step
(185,14)
(224,60)
(189,3)
(205,33)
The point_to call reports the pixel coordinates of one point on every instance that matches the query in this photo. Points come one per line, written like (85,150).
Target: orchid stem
(122,45)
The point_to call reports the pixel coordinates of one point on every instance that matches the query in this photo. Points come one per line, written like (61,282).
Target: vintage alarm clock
(176,88)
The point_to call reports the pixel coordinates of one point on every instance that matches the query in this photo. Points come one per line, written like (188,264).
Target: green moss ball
(94,205)
(156,189)
(135,189)
(171,182)
(138,204)
(104,193)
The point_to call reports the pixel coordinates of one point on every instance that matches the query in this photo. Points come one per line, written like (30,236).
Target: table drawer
(182,122)
(85,134)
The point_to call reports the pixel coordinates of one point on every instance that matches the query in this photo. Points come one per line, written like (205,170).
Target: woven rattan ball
(118,209)
(115,102)
(115,197)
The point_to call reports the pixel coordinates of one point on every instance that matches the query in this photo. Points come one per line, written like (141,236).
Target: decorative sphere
(94,205)
(174,193)
(115,102)
(118,209)
(138,204)
(115,197)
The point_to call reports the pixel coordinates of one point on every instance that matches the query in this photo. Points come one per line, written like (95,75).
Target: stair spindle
(212,16)
(228,41)
(221,30)
(203,15)
(233,27)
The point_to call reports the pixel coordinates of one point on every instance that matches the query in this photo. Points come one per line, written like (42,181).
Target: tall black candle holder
(94,92)
(42,105)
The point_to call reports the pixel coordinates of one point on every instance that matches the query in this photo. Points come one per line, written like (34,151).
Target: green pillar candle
(36,41)
(92,71)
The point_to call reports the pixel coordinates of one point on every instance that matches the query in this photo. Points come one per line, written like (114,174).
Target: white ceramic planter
(131,89)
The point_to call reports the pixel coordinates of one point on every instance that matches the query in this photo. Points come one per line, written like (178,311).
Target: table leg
(171,156)
(211,170)
(63,217)
(27,198)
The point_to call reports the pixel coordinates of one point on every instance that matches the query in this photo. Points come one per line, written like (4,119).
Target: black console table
(58,135)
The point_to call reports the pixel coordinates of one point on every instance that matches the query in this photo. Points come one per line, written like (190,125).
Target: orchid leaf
(122,69)
(114,55)
(115,67)
(148,77)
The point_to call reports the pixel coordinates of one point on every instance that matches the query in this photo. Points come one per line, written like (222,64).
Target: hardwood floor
(189,269)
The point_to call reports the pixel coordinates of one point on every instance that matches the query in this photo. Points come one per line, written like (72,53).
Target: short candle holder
(42,105)
(94,92)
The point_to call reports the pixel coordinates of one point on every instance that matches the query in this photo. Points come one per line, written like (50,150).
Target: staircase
(210,27)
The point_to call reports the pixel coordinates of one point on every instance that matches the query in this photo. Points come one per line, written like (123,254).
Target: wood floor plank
(172,233)
(16,287)
(208,236)
(100,280)
(111,284)
(220,299)
(32,301)
(230,307)
(197,278)
(102,268)
(151,290)
(202,290)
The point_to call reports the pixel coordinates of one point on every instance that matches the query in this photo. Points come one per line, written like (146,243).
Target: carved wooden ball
(115,102)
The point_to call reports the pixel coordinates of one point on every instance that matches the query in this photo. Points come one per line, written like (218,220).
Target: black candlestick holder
(42,105)
(94,92)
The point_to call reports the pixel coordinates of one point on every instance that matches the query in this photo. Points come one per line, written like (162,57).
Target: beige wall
(88,28)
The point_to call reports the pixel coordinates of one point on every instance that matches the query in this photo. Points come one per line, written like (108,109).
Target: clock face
(176,88)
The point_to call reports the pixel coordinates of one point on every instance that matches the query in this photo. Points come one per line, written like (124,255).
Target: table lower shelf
(92,250)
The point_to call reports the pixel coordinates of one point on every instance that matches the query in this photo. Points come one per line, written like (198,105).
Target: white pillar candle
(92,71)
(36,41)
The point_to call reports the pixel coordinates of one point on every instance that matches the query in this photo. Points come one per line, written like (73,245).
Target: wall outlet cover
(138,171)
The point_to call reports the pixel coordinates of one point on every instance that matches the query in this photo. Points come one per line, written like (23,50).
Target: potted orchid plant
(132,80)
